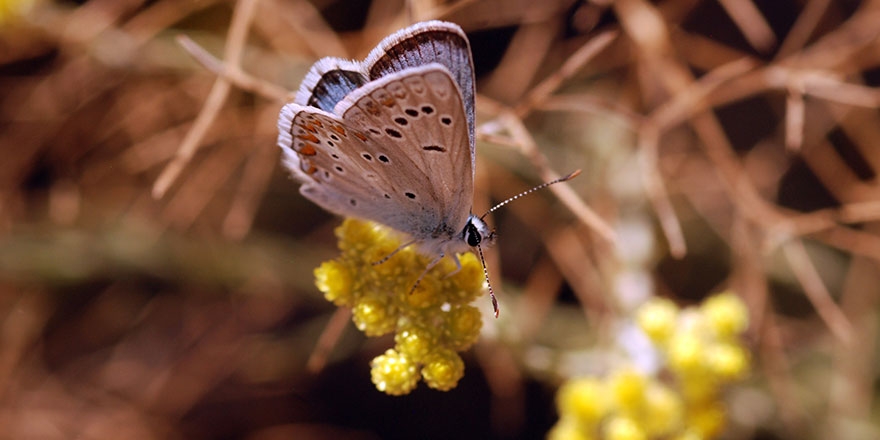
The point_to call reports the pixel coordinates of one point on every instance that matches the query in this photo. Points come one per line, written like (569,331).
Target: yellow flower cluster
(430,324)
(11,10)
(682,401)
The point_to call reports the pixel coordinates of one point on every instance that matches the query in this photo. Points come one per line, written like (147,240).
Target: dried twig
(656,190)
(803,27)
(572,65)
(233,75)
(565,194)
(817,293)
(794,120)
(328,339)
(241,18)
(751,23)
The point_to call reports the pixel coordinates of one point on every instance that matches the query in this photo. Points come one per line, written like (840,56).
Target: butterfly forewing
(326,161)
(425,43)
(399,154)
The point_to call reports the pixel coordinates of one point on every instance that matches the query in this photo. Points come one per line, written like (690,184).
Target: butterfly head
(476,232)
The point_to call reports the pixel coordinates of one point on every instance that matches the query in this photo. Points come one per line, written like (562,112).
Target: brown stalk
(564,192)
(236,76)
(751,23)
(817,293)
(251,188)
(328,339)
(238,30)
(803,27)
(795,110)
(572,65)
(649,144)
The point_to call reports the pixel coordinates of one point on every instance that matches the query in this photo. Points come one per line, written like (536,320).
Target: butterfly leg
(425,272)
(387,257)
(457,266)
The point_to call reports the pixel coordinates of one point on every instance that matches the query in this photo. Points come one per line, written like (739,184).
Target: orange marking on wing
(371,108)
(319,123)
(339,129)
(360,136)
(388,102)
(311,128)
(309,137)
(308,150)
(311,169)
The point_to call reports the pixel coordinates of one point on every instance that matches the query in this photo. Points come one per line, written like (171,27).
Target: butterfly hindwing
(329,81)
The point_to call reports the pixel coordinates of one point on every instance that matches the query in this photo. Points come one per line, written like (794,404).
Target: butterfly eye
(472,235)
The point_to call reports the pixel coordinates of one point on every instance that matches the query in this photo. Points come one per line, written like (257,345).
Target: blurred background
(156,263)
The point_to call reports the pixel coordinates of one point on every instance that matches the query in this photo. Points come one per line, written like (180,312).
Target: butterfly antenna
(486,274)
(570,176)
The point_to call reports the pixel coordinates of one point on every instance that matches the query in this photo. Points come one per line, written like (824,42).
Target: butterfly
(391,139)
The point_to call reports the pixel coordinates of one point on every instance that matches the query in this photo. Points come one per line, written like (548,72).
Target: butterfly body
(391,139)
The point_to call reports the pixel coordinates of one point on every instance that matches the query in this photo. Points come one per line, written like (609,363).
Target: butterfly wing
(329,81)
(424,43)
(397,153)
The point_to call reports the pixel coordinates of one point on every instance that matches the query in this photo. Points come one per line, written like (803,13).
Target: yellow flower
(374,316)
(414,341)
(585,400)
(707,420)
(698,387)
(689,434)
(628,389)
(726,314)
(462,327)
(443,369)
(333,279)
(394,373)
(728,361)
(685,351)
(568,429)
(657,318)
(664,410)
(11,10)
(680,399)
(623,428)
(430,320)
